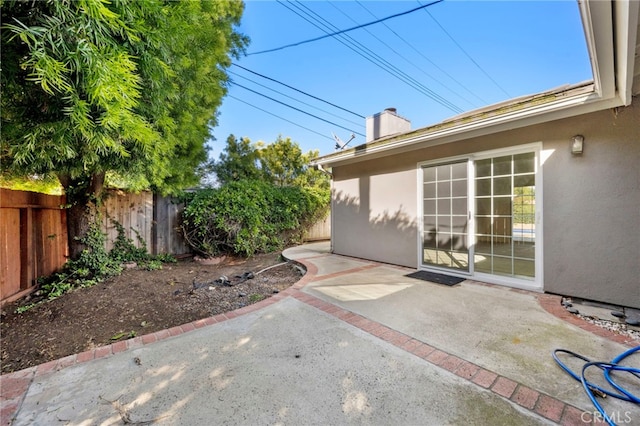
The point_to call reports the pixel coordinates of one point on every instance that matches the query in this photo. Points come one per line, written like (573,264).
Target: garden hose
(594,390)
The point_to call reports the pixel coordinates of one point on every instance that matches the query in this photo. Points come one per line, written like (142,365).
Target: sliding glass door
(479,215)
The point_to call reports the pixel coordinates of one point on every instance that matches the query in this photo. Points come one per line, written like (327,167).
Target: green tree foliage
(524,207)
(238,161)
(250,216)
(311,177)
(281,163)
(127,88)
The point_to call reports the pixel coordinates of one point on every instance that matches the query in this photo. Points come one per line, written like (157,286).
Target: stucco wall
(591,219)
(374,208)
(592,209)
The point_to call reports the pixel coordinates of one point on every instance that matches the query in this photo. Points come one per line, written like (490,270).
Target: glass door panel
(505,215)
(445,216)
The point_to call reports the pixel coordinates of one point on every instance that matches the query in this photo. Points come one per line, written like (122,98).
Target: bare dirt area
(135,303)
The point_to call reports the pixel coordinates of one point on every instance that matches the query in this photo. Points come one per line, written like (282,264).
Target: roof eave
(482,122)
(600,20)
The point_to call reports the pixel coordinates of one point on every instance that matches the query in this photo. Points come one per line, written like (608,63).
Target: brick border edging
(541,404)
(14,386)
(553,304)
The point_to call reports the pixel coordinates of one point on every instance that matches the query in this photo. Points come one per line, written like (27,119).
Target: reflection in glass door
(445,216)
(504,214)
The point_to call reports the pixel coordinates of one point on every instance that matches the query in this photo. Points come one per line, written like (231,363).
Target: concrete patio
(354,342)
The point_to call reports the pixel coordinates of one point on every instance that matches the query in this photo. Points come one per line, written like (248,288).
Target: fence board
(33,232)
(133,211)
(51,240)
(28,254)
(167,232)
(159,225)
(9,252)
(148,223)
(24,199)
(33,237)
(154,218)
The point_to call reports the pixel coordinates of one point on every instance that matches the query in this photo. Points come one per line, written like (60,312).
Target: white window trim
(532,285)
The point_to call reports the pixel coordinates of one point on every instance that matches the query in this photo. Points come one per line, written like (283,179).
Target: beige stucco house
(539,193)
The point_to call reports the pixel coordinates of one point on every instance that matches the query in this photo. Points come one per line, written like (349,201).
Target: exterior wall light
(577,144)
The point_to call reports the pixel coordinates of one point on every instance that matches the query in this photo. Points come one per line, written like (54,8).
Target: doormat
(436,278)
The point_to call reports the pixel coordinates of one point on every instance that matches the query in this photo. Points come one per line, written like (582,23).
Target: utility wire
(346,30)
(465,52)
(297,109)
(299,91)
(398,53)
(281,118)
(371,56)
(294,99)
(428,60)
(386,65)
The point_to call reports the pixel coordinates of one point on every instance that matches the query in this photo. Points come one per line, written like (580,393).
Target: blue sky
(466,54)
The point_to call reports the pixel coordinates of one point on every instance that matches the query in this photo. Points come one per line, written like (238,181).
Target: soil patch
(135,303)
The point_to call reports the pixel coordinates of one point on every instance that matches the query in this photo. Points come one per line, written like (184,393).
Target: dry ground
(135,303)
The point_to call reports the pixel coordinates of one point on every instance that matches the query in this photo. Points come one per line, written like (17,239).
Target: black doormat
(436,278)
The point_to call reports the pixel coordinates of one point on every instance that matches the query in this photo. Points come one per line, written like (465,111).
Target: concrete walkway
(354,342)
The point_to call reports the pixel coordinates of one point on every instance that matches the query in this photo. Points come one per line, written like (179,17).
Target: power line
(427,59)
(384,64)
(372,57)
(297,109)
(299,91)
(398,53)
(465,52)
(346,30)
(281,118)
(294,99)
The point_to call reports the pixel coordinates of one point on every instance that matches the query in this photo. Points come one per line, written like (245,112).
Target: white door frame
(537,284)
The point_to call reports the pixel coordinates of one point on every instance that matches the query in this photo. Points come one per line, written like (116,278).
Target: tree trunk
(79,218)
(83,198)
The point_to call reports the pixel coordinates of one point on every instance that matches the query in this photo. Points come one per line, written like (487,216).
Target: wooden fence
(156,221)
(33,238)
(167,234)
(33,232)
(134,212)
(321,230)
(147,218)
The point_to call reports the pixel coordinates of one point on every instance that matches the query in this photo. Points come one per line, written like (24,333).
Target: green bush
(248,217)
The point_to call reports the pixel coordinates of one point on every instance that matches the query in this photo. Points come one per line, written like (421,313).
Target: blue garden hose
(592,389)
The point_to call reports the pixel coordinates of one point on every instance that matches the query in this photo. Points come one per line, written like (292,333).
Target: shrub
(248,217)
